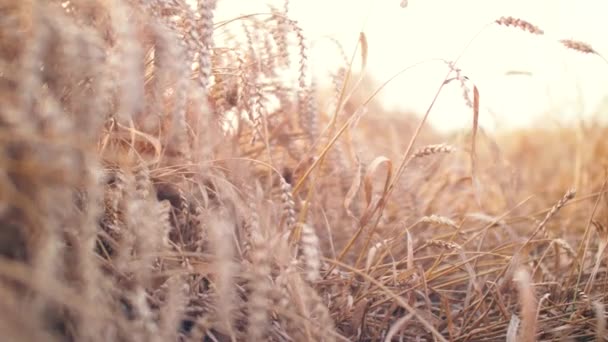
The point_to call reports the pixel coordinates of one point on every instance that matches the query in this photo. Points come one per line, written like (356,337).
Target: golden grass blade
(354,189)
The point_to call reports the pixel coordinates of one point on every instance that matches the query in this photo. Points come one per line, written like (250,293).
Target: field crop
(161,180)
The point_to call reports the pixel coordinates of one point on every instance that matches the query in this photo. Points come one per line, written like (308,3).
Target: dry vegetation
(155,186)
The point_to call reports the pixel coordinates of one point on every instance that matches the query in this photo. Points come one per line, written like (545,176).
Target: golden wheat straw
(528,305)
(177,241)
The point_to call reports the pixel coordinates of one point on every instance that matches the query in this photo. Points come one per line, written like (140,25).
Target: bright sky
(564,83)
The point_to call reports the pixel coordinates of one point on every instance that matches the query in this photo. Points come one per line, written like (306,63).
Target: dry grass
(158,186)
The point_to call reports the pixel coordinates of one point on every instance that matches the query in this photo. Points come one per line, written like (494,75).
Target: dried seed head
(443,244)
(462,80)
(433,149)
(311,254)
(440,220)
(565,246)
(578,46)
(259,302)
(565,199)
(289,206)
(521,24)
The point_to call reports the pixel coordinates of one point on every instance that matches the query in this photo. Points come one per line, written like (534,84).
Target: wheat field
(161,180)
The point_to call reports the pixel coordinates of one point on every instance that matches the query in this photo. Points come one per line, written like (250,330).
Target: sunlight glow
(522,79)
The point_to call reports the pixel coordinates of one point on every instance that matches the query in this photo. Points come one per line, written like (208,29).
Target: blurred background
(523,80)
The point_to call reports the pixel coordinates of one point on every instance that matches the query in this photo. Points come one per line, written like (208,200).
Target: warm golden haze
(162,179)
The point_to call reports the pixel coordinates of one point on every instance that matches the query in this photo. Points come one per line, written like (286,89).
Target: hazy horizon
(561,82)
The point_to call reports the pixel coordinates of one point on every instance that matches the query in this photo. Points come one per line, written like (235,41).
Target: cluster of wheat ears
(158,186)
